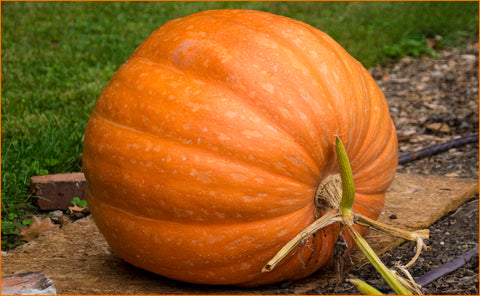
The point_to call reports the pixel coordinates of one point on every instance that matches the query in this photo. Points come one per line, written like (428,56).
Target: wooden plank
(79,261)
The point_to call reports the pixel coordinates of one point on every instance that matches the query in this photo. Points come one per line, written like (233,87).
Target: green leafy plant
(410,47)
(10,226)
(79,202)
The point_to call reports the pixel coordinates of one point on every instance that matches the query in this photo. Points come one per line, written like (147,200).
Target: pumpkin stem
(409,281)
(390,230)
(328,218)
(348,188)
(363,287)
(346,204)
(339,209)
(416,236)
(389,276)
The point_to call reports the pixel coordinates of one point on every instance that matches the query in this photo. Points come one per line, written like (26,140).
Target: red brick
(30,283)
(55,192)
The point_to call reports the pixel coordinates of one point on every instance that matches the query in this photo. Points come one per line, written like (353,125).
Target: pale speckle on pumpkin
(220,215)
(195,107)
(190,263)
(268,87)
(223,137)
(238,177)
(148,146)
(248,198)
(252,134)
(281,233)
(231,114)
(259,180)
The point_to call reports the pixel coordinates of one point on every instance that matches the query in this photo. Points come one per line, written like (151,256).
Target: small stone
(464,124)
(56,213)
(449,77)
(424,79)
(468,57)
(30,283)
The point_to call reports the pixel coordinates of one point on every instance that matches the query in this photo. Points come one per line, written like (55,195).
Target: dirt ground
(432,101)
(451,236)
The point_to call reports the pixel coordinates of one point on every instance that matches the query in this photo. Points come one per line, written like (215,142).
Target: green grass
(58,56)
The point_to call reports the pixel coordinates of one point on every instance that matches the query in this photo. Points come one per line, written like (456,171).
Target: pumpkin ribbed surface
(204,151)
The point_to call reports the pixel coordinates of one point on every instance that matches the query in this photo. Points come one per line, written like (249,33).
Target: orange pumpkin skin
(204,151)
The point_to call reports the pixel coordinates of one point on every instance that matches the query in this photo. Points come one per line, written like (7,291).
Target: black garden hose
(437,148)
(445,268)
(459,261)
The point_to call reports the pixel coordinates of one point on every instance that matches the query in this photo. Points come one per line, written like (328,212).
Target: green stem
(346,203)
(386,273)
(364,288)
(348,188)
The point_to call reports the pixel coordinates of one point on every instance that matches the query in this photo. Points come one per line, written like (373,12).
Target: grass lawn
(58,56)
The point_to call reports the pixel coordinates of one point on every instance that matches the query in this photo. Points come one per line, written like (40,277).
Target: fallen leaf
(76,208)
(78,212)
(438,126)
(452,175)
(434,106)
(64,220)
(36,228)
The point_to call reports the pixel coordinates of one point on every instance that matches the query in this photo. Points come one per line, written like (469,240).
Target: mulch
(433,100)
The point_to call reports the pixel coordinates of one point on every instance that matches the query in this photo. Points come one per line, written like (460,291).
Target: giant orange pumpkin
(204,151)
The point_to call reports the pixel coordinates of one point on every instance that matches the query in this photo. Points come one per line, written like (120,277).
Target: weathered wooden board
(79,261)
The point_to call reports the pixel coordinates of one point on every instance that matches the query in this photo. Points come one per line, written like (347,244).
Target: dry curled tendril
(335,197)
